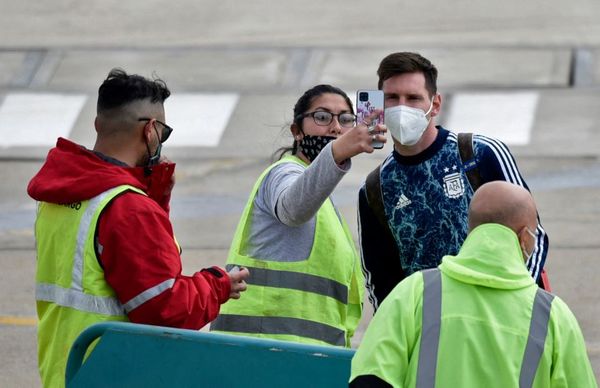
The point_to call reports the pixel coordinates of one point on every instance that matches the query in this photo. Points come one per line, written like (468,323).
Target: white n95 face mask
(407,124)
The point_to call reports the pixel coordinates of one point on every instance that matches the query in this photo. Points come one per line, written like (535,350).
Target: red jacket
(139,251)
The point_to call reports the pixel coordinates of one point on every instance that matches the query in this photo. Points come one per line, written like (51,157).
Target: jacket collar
(490,256)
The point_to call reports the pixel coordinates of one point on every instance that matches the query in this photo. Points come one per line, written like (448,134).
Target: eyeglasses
(166,132)
(322,118)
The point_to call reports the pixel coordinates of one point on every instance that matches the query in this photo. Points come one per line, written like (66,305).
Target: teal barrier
(132,355)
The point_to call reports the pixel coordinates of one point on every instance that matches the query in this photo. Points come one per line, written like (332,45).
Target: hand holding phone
(237,279)
(367,101)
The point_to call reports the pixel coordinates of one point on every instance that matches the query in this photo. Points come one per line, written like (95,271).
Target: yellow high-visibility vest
(317,300)
(71,291)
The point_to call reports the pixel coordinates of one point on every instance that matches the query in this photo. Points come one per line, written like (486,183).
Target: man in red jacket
(106,211)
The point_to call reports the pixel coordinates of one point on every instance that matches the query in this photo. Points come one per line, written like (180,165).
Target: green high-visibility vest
(71,292)
(478,320)
(317,300)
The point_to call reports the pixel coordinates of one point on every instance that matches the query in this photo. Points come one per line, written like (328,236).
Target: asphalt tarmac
(527,71)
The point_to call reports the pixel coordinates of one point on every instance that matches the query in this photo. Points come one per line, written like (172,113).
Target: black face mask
(154,159)
(311,146)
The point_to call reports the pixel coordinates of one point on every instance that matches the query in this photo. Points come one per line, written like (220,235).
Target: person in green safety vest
(306,283)
(478,319)
(105,245)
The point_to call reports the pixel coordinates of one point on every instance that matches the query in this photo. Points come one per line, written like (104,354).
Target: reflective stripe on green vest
(71,291)
(431,324)
(304,301)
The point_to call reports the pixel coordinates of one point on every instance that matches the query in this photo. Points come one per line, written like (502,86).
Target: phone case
(366,102)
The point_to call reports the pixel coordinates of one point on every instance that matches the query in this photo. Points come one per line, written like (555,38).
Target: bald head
(503,203)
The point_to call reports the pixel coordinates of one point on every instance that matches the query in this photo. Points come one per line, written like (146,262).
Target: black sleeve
(379,253)
(496,162)
(368,381)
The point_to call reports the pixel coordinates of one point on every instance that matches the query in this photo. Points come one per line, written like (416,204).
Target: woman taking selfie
(305,282)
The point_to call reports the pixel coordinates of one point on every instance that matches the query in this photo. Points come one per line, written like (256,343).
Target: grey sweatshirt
(283,216)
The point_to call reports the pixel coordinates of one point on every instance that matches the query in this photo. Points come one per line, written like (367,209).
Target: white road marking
(199,119)
(38,119)
(505,116)
(28,119)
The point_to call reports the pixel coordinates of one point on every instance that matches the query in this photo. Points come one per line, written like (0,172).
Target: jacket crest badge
(453,185)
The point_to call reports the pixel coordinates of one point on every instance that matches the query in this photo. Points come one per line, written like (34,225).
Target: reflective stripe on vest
(538,329)
(69,297)
(297,281)
(430,337)
(74,297)
(280,325)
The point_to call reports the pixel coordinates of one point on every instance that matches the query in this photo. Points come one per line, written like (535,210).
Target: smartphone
(366,102)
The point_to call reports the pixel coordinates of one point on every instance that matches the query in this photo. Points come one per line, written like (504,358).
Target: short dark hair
(120,88)
(407,62)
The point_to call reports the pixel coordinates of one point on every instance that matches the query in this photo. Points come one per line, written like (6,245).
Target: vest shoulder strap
(431,327)
(538,330)
(467,156)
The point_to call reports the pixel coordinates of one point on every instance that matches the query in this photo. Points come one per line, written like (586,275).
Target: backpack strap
(375,198)
(375,201)
(467,156)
